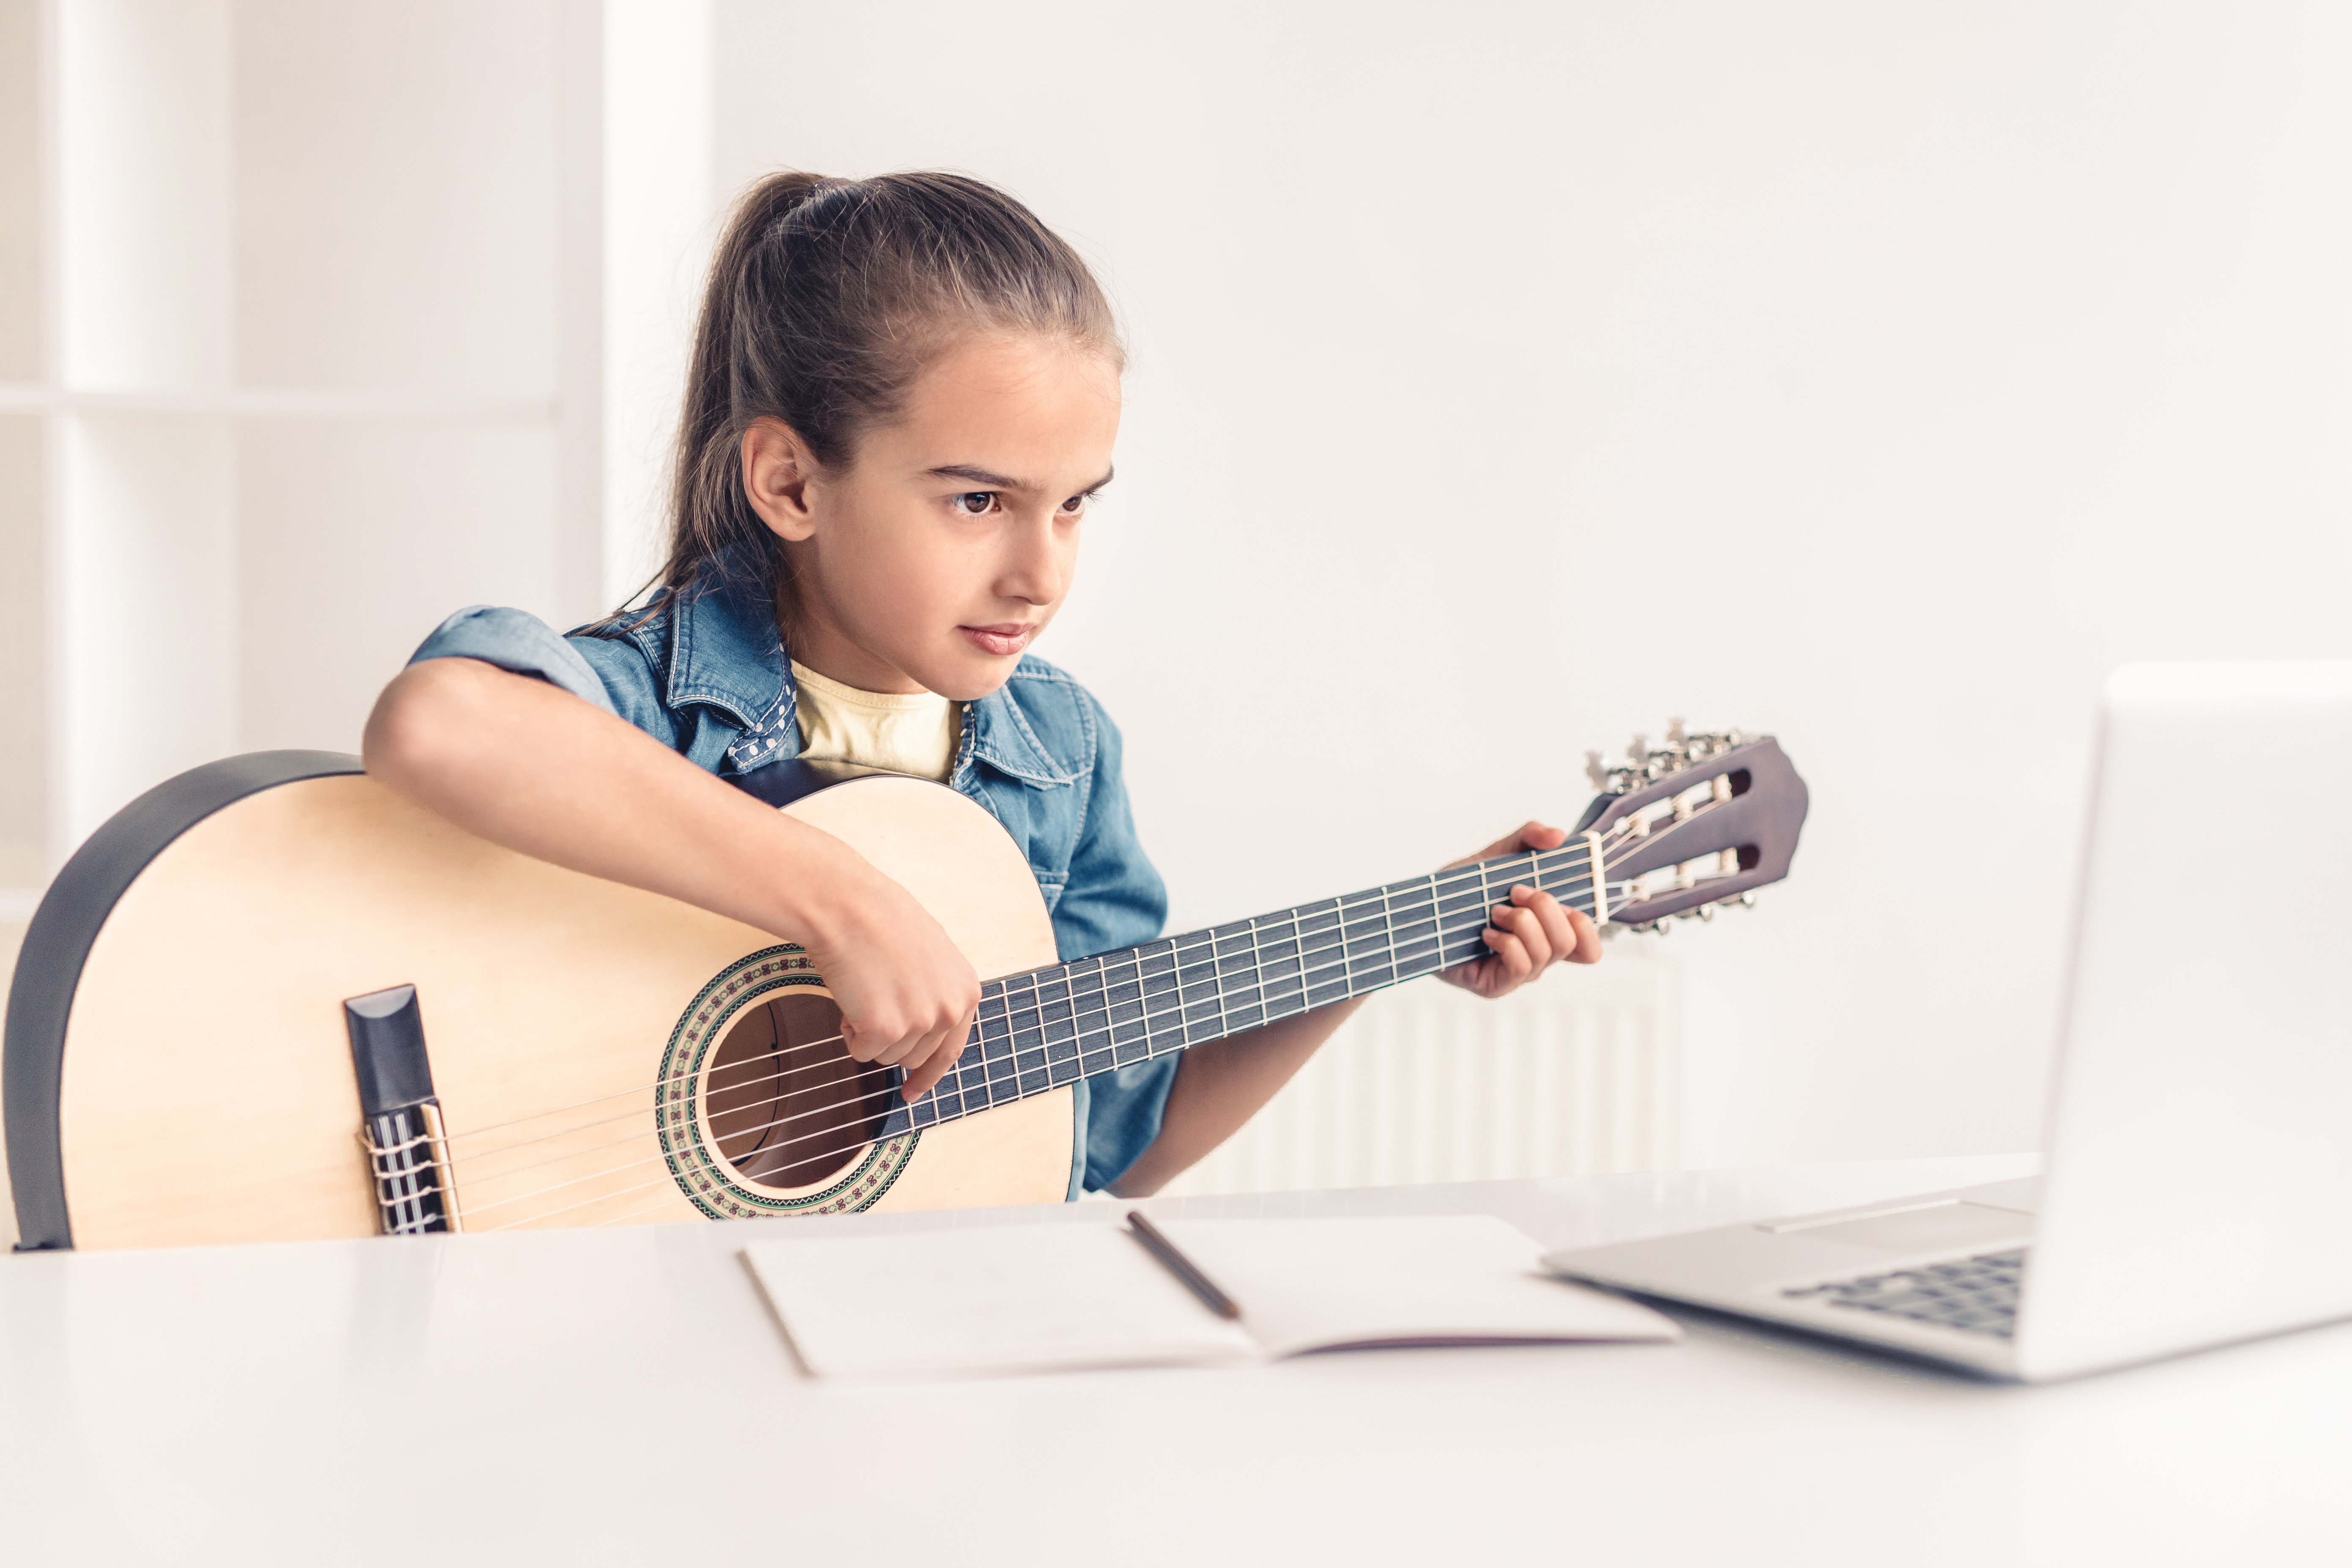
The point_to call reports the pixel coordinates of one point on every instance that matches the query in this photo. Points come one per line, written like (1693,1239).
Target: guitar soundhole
(788,1105)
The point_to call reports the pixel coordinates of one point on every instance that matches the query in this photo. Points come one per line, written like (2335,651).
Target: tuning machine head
(1645,764)
(1693,823)
(1665,923)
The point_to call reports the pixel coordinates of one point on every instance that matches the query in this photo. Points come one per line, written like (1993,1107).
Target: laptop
(2199,1190)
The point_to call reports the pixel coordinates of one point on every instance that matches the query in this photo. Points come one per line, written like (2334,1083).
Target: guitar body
(579,1031)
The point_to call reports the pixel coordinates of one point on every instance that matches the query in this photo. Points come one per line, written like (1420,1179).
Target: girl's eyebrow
(971,475)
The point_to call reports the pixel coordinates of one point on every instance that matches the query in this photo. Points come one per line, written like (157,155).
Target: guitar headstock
(1702,820)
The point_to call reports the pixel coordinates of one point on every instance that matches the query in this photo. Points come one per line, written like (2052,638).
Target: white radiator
(1575,1075)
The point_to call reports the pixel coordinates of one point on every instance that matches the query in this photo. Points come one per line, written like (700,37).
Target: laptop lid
(2201,1183)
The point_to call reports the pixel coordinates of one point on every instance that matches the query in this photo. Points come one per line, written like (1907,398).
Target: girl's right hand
(907,995)
(518,762)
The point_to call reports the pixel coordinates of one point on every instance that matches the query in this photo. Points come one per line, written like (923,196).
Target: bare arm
(1223,1083)
(522,764)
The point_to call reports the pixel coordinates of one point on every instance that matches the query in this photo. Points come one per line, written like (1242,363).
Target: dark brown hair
(827,298)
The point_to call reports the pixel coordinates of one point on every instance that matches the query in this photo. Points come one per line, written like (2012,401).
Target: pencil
(1183,1268)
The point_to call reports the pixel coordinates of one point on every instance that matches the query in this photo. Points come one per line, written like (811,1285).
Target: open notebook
(1036,1298)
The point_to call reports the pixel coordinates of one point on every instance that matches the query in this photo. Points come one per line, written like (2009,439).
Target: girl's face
(945,546)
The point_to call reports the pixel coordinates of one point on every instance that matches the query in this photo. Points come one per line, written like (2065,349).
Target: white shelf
(314,349)
(287,403)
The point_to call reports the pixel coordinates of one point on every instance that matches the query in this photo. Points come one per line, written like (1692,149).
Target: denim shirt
(705,672)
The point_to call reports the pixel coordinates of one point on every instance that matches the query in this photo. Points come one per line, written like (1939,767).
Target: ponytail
(826,300)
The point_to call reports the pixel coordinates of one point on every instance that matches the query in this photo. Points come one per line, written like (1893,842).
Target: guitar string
(834,1104)
(687,1077)
(1535,858)
(1483,870)
(475,1209)
(468,1209)
(665,1179)
(1536,866)
(858,1069)
(764,1063)
(1539,870)
(837,1104)
(767,1063)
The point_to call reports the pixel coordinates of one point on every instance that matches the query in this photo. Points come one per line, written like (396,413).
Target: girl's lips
(1010,638)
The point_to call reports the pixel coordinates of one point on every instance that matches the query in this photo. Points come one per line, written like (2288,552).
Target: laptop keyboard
(1975,1294)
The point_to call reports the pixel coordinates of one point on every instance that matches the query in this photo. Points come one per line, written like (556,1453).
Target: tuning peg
(1596,770)
(1747,901)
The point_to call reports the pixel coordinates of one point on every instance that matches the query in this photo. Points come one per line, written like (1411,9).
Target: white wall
(1510,376)
(284,369)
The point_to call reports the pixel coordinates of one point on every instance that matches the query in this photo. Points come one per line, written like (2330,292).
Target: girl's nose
(1039,569)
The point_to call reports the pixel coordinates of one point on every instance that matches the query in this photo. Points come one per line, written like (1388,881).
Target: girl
(902,403)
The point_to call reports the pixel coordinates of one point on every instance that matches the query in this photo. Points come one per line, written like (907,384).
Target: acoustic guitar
(272,1001)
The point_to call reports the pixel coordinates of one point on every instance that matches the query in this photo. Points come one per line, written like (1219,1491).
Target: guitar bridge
(401,1131)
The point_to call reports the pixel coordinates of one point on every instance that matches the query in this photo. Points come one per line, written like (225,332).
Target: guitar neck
(1048,1028)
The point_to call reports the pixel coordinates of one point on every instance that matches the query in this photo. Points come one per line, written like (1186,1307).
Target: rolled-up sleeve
(613,675)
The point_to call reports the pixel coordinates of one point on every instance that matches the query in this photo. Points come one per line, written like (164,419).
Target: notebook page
(992,1299)
(1321,1285)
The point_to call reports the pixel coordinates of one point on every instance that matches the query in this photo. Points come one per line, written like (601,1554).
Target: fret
(1067,1065)
(1130,1034)
(971,1075)
(1046,1029)
(1094,1029)
(1419,943)
(998,1059)
(1058,1007)
(1253,1011)
(1324,940)
(1161,996)
(1241,1003)
(956,1091)
(1294,989)
(953,1093)
(1024,1041)
(1367,945)
(1217,974)
(1279,966)
(998,1065)
(1203,998)
(1577,874)
(1029,1055)
(1163,1010)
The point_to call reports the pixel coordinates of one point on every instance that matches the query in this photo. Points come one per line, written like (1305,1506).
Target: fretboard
(1051,1027)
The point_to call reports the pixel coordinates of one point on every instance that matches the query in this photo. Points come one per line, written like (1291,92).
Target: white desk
(622,1396)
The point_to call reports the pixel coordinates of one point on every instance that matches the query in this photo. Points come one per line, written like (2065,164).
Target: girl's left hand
(1530,932)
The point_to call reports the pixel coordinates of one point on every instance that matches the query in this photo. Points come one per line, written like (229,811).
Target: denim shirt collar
(725,653)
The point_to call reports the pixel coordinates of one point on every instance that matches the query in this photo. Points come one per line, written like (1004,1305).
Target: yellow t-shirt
(916,734)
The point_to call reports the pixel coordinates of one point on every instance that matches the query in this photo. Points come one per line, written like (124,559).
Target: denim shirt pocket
(1026,781)
(1041,817)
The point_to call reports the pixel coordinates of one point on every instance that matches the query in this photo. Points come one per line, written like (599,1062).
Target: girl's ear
(777,468)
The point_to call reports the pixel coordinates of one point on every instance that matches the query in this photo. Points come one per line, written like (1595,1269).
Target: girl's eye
(974,503)
(1076,506)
